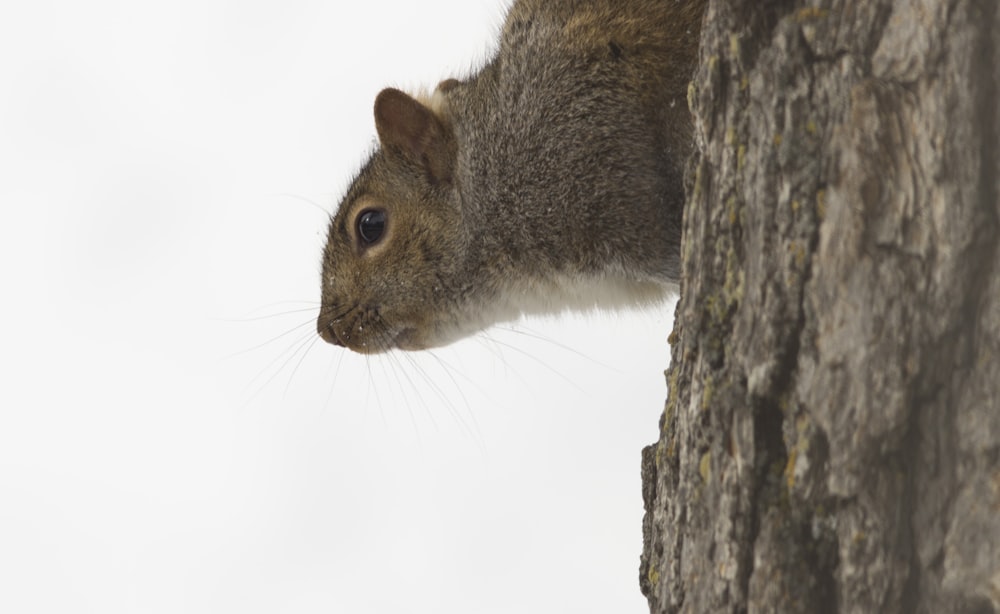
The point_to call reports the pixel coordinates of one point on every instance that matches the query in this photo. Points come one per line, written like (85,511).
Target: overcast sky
(174,437)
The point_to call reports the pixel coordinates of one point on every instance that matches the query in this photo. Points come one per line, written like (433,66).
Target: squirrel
(551,179)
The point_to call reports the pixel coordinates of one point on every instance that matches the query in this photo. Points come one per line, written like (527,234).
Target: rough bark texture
(831,440)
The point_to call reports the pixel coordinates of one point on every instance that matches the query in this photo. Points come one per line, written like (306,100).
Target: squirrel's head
(392,267)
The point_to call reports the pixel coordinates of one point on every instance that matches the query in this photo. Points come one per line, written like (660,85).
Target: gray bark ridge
(831,438)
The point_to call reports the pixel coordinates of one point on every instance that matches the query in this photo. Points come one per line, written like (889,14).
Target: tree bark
(831,440)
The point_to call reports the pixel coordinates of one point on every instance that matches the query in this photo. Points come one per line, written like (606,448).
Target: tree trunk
(831,440)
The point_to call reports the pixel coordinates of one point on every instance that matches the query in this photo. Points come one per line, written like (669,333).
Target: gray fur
(550,180)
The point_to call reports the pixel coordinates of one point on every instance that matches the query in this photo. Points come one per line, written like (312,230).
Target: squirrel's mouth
(409,339)
(359,329)
(406,339)
(362,329)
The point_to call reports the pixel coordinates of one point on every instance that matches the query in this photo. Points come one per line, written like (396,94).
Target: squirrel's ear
(410,128)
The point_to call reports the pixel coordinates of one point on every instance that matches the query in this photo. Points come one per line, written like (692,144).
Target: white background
(173,437)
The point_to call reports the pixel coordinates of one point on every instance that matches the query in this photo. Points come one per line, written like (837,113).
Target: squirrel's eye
(371,225)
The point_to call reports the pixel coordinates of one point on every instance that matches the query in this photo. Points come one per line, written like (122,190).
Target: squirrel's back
(580,123)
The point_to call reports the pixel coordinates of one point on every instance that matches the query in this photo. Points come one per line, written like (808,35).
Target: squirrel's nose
(325,329)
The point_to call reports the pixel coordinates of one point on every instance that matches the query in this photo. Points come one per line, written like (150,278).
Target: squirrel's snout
(325,329)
